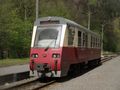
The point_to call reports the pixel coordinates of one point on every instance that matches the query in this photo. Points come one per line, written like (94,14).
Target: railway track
(35,83)
(108,57)
(28,84)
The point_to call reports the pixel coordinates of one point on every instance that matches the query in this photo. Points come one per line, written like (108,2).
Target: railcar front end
(46,49)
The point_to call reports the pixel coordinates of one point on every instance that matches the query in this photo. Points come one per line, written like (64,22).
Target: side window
(85,39)
(86,43)
(97,43)
(79,38)
(92,42)
(71,34)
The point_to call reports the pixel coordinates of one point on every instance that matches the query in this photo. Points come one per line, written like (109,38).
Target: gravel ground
(105,77)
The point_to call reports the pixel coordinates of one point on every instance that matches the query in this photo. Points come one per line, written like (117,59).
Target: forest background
(17,18)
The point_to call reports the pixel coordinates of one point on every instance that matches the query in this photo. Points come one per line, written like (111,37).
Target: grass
(108,53)
(11,62)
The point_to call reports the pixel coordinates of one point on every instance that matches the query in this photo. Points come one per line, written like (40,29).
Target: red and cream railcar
(58,43)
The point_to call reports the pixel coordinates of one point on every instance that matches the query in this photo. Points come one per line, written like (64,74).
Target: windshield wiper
(49,45)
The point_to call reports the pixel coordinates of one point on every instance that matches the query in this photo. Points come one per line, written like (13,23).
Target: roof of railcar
(63,21)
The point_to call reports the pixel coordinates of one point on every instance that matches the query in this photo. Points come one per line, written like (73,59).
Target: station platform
(13,73)
(104,77)
(14,69)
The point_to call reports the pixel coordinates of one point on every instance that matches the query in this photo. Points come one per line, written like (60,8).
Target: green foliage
(19,36)
(4,19)
(54,8)
(17,17)
(14,32)
(116,24)
(25,9)
(10,62)
(92,2)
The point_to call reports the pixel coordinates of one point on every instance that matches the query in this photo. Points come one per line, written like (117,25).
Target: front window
(47,37)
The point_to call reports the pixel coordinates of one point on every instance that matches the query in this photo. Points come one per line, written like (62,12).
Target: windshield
(47,37)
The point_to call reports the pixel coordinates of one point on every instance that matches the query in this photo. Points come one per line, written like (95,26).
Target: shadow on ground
(75,75)
(69,76)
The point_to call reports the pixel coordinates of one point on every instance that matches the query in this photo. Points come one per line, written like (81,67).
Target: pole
(37,10)
(25,14)
(102,37)
(89,15)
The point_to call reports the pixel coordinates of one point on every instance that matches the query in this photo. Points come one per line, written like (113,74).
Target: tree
(54,8)
(5,6)
(17,17)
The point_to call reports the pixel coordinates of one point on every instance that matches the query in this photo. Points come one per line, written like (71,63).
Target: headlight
(34,55)
(56,55)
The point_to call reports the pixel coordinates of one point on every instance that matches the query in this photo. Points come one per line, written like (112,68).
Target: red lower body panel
(68,56)
(77,55)
(45,57)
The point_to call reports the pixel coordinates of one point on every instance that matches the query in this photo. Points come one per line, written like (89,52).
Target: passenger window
(71,34)
(96,42)
(84,39)
(92,42)
(99,43)
(79,38)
